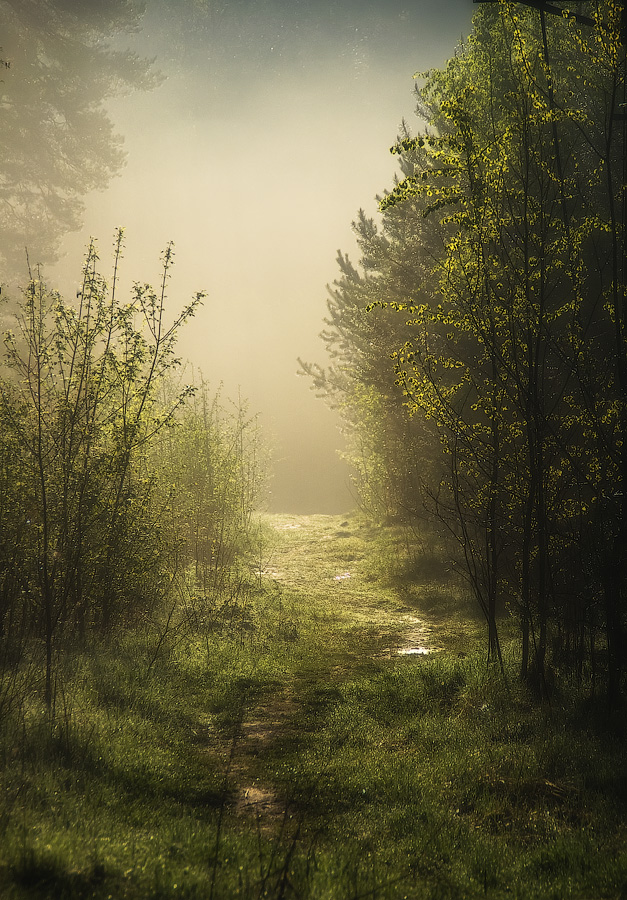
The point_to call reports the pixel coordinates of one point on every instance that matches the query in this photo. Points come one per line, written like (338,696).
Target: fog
(270,130)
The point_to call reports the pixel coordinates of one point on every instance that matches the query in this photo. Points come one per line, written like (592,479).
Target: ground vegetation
(339,737)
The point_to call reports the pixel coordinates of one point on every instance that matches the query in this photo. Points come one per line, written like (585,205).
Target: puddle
(415,641)
(412,650)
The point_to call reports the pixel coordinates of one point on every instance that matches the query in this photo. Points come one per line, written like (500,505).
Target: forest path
(335,564)
(327,571)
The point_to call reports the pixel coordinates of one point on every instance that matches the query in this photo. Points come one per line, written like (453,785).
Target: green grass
(292,753)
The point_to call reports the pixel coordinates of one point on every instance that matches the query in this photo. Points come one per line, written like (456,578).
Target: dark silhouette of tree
(56,139)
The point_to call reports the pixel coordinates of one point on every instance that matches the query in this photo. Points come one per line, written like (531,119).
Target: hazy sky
(270,131)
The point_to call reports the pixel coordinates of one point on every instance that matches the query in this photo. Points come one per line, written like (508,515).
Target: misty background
(269,130)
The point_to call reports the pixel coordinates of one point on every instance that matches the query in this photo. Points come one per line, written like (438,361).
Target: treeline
(479,351)
(125,496)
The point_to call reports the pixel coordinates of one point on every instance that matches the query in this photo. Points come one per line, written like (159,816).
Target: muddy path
(327,566)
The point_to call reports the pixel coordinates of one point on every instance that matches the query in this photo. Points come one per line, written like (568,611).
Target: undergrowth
(386,776)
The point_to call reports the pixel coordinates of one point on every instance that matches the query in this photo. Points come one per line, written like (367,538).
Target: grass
(293,754)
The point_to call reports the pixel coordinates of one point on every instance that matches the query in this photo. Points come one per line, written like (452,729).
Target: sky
(270,129)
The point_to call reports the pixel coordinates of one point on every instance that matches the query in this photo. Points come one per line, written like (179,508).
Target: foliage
(215,465)
(113,481)
(511,343)
(394,457)
(517,385)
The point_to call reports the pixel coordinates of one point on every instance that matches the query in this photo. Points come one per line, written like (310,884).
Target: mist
(270,129)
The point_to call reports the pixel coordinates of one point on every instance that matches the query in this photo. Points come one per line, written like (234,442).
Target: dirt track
(325,561)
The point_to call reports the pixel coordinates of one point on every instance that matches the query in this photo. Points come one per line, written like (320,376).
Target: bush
(112,480)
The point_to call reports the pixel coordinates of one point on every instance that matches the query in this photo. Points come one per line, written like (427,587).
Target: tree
(502,253)
(84,548)
(392,454)
(527,164)
(56,140)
